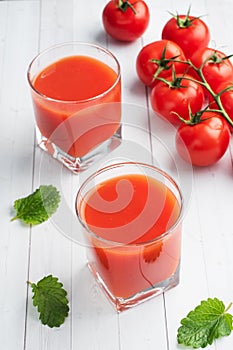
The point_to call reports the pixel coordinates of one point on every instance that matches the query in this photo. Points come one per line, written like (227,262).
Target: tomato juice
(134,239)
(69,97)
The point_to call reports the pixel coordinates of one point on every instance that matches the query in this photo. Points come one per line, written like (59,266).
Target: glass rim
(112,244)
(78,43)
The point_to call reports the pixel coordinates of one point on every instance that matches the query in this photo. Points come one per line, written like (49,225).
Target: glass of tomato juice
(76,94)
(131,215)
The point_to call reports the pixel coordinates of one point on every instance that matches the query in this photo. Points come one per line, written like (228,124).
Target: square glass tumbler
(76,94)
(131,216)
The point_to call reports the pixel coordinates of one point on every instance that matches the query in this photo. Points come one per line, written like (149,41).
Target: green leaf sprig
(51,301)
(208,321)
(38,206)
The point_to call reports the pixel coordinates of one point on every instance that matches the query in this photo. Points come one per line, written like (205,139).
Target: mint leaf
(208,321)
(38,206)
(51,301)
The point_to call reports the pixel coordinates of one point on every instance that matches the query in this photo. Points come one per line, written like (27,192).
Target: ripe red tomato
(203,143)
(125,20)
(216,66)
(189,32)
(155,59)
(226,99)
(177,95)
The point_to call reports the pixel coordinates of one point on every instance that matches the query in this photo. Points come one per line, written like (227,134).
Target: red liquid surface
(133,210)
(64,88)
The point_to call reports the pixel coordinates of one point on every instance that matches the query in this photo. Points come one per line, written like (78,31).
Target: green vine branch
(205,84)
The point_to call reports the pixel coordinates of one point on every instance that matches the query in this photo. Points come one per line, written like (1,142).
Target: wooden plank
(16,158)
(50,251)
(135,331)
(95,323)
(57,254)
(187,295)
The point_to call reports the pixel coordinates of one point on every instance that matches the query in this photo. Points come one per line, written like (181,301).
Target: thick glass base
(121,304)
(76,165)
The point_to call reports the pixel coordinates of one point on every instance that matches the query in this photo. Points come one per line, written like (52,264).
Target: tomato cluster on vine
(191,83)
(191,87)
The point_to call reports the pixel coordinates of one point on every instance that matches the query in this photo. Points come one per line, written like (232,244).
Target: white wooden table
(27,27)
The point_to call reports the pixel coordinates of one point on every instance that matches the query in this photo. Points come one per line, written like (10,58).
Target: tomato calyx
(195,118)
(175,82)
(163,63)
(187,21)
(214,58)
(124,5)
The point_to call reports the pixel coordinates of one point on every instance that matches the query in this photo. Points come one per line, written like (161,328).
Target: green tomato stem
(123,5)
(216,97)
(206,85)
